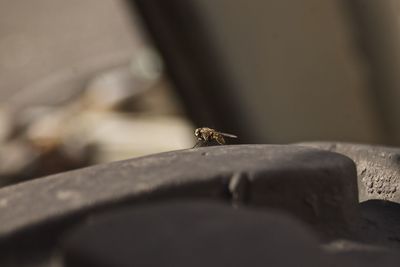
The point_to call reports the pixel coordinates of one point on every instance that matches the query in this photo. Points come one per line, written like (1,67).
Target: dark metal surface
(315,180)
(204,233)
(316,187)
(195,234)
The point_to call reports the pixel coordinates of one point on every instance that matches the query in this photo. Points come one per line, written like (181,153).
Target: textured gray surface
(302,181)
(378,171)
(378,168)
(316,186)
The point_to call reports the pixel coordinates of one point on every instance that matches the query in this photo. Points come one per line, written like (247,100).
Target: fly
(205,135)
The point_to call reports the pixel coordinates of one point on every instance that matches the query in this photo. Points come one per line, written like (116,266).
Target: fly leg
(199,143)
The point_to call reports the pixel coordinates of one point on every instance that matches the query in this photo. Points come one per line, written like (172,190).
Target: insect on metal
(205,135)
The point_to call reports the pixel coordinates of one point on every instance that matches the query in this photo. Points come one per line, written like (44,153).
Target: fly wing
(228,135)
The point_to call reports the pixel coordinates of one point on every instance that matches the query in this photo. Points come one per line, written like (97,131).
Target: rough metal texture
(378,168)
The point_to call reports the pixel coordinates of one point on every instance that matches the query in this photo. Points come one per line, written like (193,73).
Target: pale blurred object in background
(6,125)
(80,85)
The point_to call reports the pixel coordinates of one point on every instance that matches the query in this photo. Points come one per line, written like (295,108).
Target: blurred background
(92,81)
